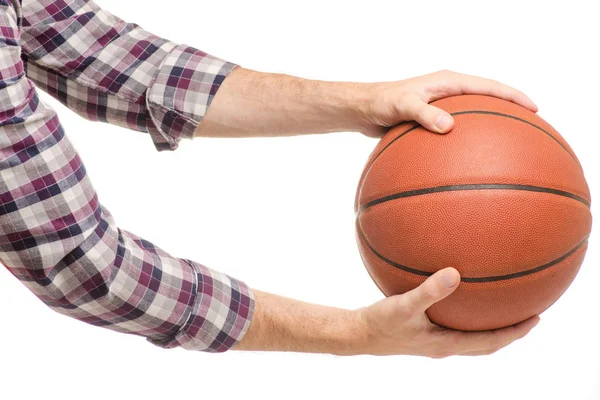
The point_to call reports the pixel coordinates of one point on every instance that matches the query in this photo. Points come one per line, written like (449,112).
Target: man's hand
(399,325)
(395,325)
(388,103)
(252,103)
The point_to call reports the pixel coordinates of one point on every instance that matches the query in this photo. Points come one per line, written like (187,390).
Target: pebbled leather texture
(509,207)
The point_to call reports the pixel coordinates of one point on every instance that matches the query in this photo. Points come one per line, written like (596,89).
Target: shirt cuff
(179,96)
(221,311)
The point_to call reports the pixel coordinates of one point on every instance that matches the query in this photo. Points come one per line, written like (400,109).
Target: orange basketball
(502,198)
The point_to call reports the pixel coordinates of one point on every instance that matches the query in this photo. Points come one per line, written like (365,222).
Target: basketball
(502,198)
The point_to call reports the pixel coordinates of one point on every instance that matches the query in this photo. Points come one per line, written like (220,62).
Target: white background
(278,213)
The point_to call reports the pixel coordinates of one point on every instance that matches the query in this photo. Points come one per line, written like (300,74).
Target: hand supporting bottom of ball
(395,325)
(399,324)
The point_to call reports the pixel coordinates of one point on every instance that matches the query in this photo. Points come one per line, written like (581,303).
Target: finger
(470,84)
(430,117)
(434,289)
(493,340)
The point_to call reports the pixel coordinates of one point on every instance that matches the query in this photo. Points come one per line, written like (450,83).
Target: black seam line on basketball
(469,279)
(473,112)
(483,186)
(388,145)
(522,120)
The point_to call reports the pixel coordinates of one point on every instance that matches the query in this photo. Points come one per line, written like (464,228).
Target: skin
(251,103)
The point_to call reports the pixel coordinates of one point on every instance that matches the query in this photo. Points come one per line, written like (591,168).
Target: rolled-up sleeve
(109,70)
(63,244)
(186,82)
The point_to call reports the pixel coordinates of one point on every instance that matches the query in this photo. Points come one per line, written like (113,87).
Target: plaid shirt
(55,235)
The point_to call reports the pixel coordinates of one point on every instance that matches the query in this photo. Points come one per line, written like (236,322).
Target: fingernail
(443,121)
(449,278)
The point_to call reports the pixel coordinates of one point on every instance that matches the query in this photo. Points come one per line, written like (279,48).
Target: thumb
(431,117)
(434,289)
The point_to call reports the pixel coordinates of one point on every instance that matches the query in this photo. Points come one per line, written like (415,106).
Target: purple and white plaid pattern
(186,81)
(55,235)
(113,71)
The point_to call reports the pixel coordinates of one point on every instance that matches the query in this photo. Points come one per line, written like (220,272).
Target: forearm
(283,324)
(251,103)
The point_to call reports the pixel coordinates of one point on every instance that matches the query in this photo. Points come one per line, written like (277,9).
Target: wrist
(346,334)
(346,104)
(355,335)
